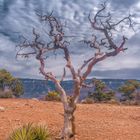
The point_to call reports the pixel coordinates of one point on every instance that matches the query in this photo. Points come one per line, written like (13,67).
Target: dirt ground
(93,121)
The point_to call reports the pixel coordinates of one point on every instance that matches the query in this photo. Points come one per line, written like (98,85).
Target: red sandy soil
(93,121)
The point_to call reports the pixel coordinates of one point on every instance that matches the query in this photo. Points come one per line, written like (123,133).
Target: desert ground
(93,121)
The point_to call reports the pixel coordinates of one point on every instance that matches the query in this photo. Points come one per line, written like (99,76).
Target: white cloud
(20,18)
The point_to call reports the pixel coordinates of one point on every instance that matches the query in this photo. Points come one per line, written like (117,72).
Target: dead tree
(103,47)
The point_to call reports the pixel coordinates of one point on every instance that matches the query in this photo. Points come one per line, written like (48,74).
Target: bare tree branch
(103,46)
(103,24)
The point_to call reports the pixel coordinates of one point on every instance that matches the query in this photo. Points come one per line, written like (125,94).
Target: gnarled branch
(102,23)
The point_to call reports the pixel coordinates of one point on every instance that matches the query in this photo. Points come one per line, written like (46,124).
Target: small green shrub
(30,132)
(13,84)
(130,90)
(100,96)
(53,96)
(41,133)
(101,92)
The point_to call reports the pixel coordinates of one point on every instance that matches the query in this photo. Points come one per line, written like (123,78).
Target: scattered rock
(2,109)
(35,99)
(87,101)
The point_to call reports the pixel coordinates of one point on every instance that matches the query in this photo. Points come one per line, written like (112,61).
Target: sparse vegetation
(130,92)
(30,132)
(53,96)
(9,85)
(101,92)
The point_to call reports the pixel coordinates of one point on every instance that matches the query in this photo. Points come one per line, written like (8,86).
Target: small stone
(87,101)
(2,109)
(35,99)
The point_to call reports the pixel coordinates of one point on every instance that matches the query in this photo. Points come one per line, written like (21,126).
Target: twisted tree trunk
(69,120)
(101,23)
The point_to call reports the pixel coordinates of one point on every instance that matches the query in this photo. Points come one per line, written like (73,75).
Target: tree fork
(103,48)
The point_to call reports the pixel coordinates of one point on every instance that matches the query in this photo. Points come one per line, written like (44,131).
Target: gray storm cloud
(18,17)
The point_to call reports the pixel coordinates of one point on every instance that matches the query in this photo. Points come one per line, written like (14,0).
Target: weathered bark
(68,131)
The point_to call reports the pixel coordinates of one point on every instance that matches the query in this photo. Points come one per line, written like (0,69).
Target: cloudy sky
(18,17)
